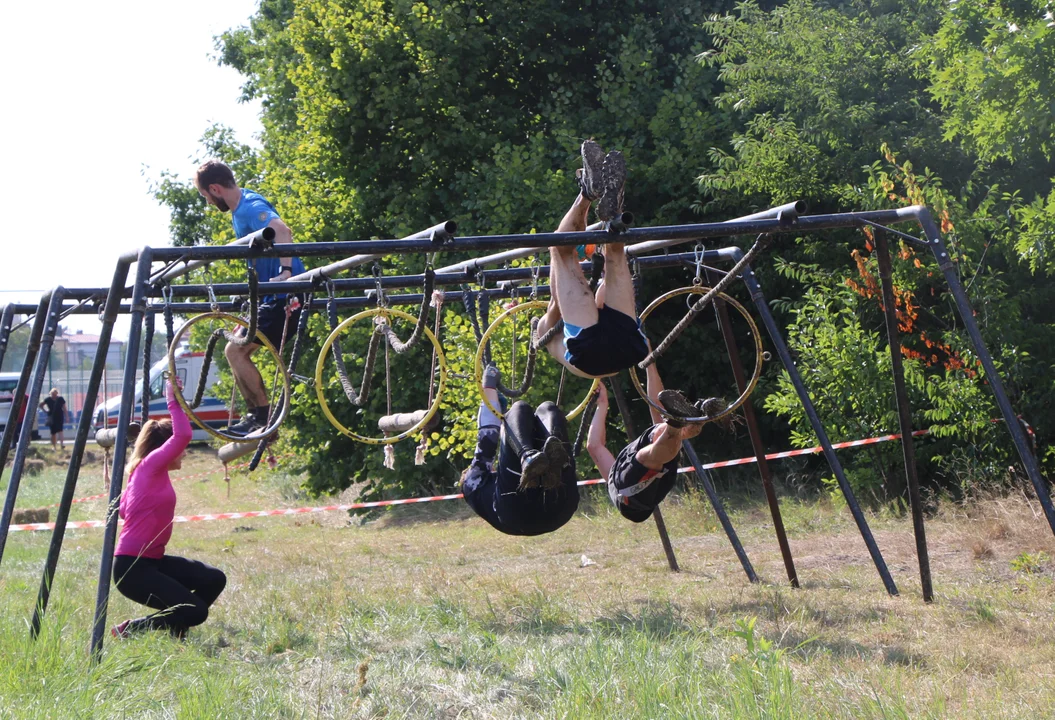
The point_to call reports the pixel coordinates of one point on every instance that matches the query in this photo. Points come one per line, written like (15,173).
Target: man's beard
(220,204)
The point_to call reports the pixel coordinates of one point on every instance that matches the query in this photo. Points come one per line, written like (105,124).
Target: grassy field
(426,612)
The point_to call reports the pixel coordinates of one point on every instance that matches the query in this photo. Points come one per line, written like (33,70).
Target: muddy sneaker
(712,407)
(121,631)
(533,467)
(676,404)
(613,178)
(556,452)
(591,172)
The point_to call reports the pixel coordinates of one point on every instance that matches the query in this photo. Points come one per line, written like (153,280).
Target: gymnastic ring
(262,339)
(486,338)
(702,290)
(387,312)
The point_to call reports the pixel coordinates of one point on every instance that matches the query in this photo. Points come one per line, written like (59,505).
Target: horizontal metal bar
(674,233)
(437,234)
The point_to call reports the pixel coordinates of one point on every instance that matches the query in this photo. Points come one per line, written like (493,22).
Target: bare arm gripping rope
(760,244)
(423,316)
(360,398)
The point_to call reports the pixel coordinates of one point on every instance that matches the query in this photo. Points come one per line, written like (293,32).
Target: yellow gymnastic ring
(260,338)
(486,338)
(322,362)
(701,290)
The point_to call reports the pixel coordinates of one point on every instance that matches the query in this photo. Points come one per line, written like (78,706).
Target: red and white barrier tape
(437,498)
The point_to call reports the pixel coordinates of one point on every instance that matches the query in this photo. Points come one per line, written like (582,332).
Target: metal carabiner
(377,285)
(214,304)
(697,254)
(536,269)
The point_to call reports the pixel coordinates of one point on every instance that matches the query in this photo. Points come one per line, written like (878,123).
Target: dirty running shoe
(249,424)
(676,404)
(556,452)
(533,467)
(613,179)
(590,175)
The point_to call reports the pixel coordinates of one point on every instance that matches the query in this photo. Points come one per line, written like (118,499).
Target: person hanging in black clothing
(533,488)
(644,471)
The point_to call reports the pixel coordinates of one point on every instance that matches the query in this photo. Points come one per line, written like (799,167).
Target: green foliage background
(383,118)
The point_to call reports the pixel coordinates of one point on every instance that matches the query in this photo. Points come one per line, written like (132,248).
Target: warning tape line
(32,527)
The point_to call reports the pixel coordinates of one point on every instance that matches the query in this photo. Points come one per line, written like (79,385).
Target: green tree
(381,119)
(992,68)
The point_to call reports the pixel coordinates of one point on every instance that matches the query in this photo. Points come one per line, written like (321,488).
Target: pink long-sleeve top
(149,502)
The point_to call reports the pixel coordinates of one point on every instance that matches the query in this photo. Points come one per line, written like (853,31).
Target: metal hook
(214,304)
(697,255)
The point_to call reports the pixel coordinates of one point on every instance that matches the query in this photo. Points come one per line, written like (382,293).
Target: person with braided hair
(533,488)
(601,332)
(644,471)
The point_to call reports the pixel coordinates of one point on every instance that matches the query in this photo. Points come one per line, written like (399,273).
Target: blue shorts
(615,342)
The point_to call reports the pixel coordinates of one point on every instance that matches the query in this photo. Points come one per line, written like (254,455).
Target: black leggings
(527,429)
(181,590)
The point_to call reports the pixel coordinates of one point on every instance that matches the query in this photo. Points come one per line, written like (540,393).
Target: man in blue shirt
(251,212)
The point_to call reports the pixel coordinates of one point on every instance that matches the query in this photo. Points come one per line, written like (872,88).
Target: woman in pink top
(180,590)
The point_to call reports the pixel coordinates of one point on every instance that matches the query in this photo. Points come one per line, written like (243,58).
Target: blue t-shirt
(252,214)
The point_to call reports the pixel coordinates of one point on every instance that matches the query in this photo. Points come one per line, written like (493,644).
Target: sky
(98,99)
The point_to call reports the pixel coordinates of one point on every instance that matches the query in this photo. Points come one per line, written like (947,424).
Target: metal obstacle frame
(147,284)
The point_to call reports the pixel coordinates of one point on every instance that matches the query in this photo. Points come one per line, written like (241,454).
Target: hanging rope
(170,333)
(437,302)
(292,304)
(587,417)
(250,333)
(761,244)
(423,317)
(529,368)
(210,348)
(148,341)
(302,329)
(358,399)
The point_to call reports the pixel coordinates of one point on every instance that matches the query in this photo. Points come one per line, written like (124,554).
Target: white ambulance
(212,411)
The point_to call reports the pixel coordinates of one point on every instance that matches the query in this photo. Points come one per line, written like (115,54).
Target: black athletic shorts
(613,344)
(627,472)
(270,318)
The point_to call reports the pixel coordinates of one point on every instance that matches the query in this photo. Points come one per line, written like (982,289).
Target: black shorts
(56,426)
(270,318)
(627,472)
(613,344)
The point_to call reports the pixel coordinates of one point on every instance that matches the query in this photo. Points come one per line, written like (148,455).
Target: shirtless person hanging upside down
(602,334)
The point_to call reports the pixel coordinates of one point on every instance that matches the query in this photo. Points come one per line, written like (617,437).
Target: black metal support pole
(815,421)
(46,336)
(904,412)
(6,319)
(113,301)
(11,429)
(124,417)
(624,411)
(719,510)
(963,305)
(757,445)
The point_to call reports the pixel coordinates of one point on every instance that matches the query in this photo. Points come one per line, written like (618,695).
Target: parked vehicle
(212,411)
(8,383)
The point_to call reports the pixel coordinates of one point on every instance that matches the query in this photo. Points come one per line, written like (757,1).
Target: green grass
(425,612)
